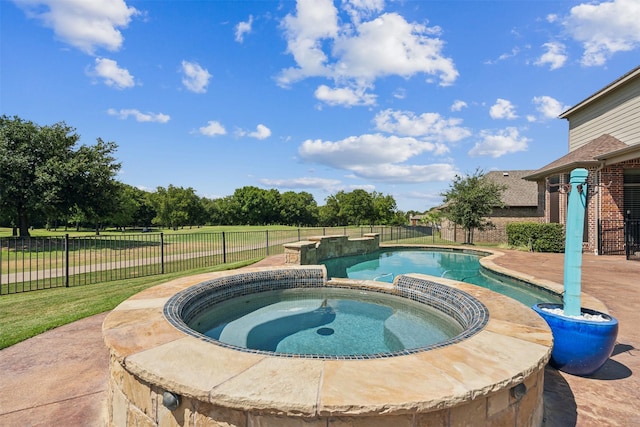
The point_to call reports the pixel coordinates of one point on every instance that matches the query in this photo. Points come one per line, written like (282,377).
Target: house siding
(617,114)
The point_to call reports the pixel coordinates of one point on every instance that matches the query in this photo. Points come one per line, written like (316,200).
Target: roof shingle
(580,157)
(519,192)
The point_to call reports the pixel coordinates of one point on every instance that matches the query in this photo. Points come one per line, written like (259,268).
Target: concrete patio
(60,377)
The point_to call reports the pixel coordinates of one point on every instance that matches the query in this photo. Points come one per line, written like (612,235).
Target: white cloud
(261,132)
(195,77)
(458,105)
(86,25)
(400,93)
(604,29)
(555,55)
(549,107)
(360,9)
(344,96)
(429,126)
(377,157)
(212,129)
(303,182)
(243,28)
(389,45)
(514,52)
(498,144)
(139,116)
(113,75)
(394,173)
(357,53)
(503,109)
(363,150)
(315,20)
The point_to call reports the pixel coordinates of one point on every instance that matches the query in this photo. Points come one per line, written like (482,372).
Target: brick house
(604,138)
(521,201)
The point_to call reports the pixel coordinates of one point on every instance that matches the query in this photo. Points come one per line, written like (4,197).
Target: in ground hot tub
(163,371)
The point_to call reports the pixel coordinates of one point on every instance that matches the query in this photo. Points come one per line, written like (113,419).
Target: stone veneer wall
(134,402)
(319,248)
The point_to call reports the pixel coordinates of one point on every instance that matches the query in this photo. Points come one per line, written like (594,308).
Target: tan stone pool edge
(447,384)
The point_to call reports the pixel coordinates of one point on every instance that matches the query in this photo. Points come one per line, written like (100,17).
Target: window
(632,193)
(554,199)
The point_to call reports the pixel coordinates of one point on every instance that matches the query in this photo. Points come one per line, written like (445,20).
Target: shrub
(536,236)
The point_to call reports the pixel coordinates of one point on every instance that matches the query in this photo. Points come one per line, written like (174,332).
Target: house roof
(585,156)
(518,192)
(620,155)
(602,92)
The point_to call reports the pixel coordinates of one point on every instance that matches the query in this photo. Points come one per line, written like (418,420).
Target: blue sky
(315,95)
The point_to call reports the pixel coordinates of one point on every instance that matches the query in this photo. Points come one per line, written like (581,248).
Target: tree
(131,207)
(298,209)
(176,207)
(385,209)
(218,211)
(33,169)
(93,186)
(433,217)
(470,200)
(329,214)
(357,207)
(255,206)
(43,176)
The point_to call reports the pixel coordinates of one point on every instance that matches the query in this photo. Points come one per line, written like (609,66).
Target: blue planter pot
(580,347)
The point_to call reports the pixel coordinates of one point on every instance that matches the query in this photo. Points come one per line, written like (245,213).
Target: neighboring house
(521,205)
(604,138)
(416,220)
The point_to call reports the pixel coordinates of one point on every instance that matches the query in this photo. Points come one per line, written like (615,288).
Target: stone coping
(488,262)
(514,344)
(459,306)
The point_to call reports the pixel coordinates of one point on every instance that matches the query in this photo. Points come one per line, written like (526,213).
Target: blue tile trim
(469,312)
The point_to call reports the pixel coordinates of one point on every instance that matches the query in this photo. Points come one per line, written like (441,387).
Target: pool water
(383,266)
(325,321)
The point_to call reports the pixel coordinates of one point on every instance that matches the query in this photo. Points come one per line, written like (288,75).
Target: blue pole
(573,241)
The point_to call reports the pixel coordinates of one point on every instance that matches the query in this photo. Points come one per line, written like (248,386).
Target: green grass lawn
(40,232)
(28,314)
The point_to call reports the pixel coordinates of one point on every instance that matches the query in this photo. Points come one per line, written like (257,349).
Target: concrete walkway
(59,378)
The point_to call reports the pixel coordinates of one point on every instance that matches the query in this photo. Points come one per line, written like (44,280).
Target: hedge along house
(522,204)
(604,138)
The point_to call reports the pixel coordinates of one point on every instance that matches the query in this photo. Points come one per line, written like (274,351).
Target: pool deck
(60,377)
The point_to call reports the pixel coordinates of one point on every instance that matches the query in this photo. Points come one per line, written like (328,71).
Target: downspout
(596,184)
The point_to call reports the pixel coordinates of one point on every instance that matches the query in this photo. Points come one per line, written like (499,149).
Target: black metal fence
(620,237)
(632,238)
(611,237)
(30,264)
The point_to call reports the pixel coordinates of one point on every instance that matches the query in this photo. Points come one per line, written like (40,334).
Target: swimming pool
(386,264)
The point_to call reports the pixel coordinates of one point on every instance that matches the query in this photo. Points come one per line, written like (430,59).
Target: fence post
(298,234)
(161,252)
(627,235)
(267,234)
(224,249)
(66,260)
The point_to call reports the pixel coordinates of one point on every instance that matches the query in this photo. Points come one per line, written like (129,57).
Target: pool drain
(325,331)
